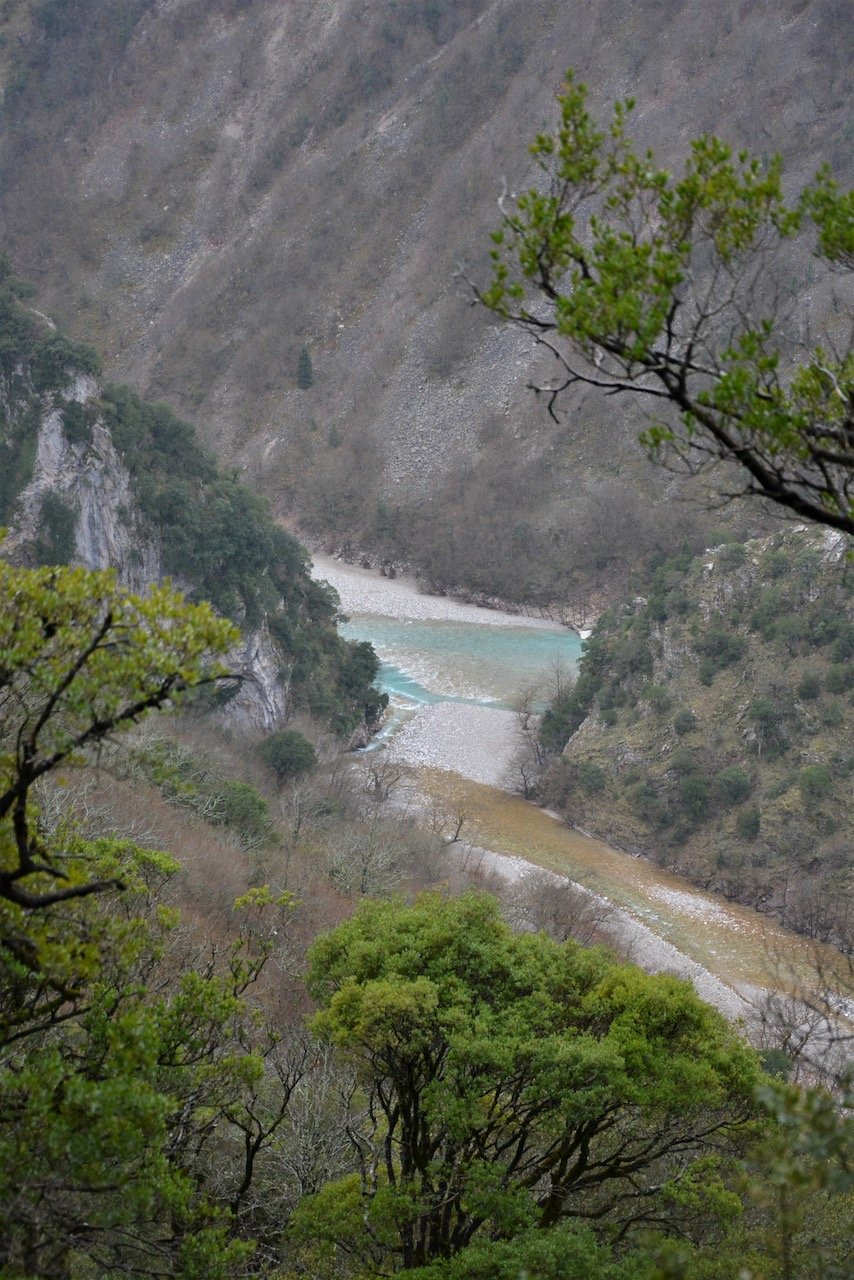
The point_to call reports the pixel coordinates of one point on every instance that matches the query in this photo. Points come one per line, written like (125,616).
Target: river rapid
(453,673)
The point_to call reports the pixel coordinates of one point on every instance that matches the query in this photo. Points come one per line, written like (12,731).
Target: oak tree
(511,1081)
(672,287)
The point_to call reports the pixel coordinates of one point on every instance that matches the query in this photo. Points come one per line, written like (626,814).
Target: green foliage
(719,649)
(287,753)
(732,785)
(609,262)
(658,698)
(684,721)
(220,537)
(805,1181)
(560,1254)
(305,370)
(491,1059)
(77,421)
(695,796)
(80,657)
(815,782)
(809,686)
(116,1066)
(57,358)
(591,777)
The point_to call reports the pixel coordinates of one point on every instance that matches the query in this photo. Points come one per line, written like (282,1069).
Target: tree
(670,288)
(124,1060)
(305,370)
(288,754)
(511,1081)
(79,658)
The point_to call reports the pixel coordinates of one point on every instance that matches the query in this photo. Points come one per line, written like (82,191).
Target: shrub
(288,754)
(694,795)
(305,370)
(815,781)
(840,678)
(591,777)
(684,721)
(731,555)
(238,805)
(56,533)
(658,698)
(809,686)
(721,647)
(732,785)
(748,823)
(645,803)
(684,761)
(77,422)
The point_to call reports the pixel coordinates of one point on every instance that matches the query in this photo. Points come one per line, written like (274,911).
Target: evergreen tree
(305,370)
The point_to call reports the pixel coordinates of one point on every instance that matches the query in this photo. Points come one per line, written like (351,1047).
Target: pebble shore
(366,591)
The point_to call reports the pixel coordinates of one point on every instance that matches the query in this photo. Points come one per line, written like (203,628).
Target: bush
(684,721)
(684,761)
(288,754)
(840,678)
(732,785)
(721,648)
(645,803)
(815,781)
(56,530)
(238,805)
(748,823)
(694,795)
(731,556)
(809,686)
(658,698)
(591,777)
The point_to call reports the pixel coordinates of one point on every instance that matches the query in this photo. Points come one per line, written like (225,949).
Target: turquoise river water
(425,662)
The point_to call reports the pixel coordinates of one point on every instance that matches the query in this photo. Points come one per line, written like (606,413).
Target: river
(452,672)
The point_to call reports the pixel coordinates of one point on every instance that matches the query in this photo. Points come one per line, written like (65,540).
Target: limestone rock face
(109,533)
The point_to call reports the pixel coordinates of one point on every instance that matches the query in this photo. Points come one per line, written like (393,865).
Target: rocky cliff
(87,475)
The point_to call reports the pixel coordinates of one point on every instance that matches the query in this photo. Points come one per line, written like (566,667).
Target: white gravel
(475,742)
(366,591)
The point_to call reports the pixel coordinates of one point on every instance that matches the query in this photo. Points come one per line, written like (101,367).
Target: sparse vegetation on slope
(709,727)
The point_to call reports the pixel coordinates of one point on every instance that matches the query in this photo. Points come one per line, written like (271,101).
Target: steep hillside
(211,188)
(93,474)
(710,727)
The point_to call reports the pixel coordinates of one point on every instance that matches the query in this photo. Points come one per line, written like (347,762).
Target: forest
(267,1009)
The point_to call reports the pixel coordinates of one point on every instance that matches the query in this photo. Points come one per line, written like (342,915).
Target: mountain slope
(710,727)
(207,188)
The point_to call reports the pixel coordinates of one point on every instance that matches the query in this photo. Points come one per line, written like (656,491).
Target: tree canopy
(80,657)
(674,288)
(512,1082)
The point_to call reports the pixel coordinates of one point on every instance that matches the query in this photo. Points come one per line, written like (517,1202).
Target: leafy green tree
(287,753)
(513,1081)
(122,1059)
(80,657)
(640,281)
